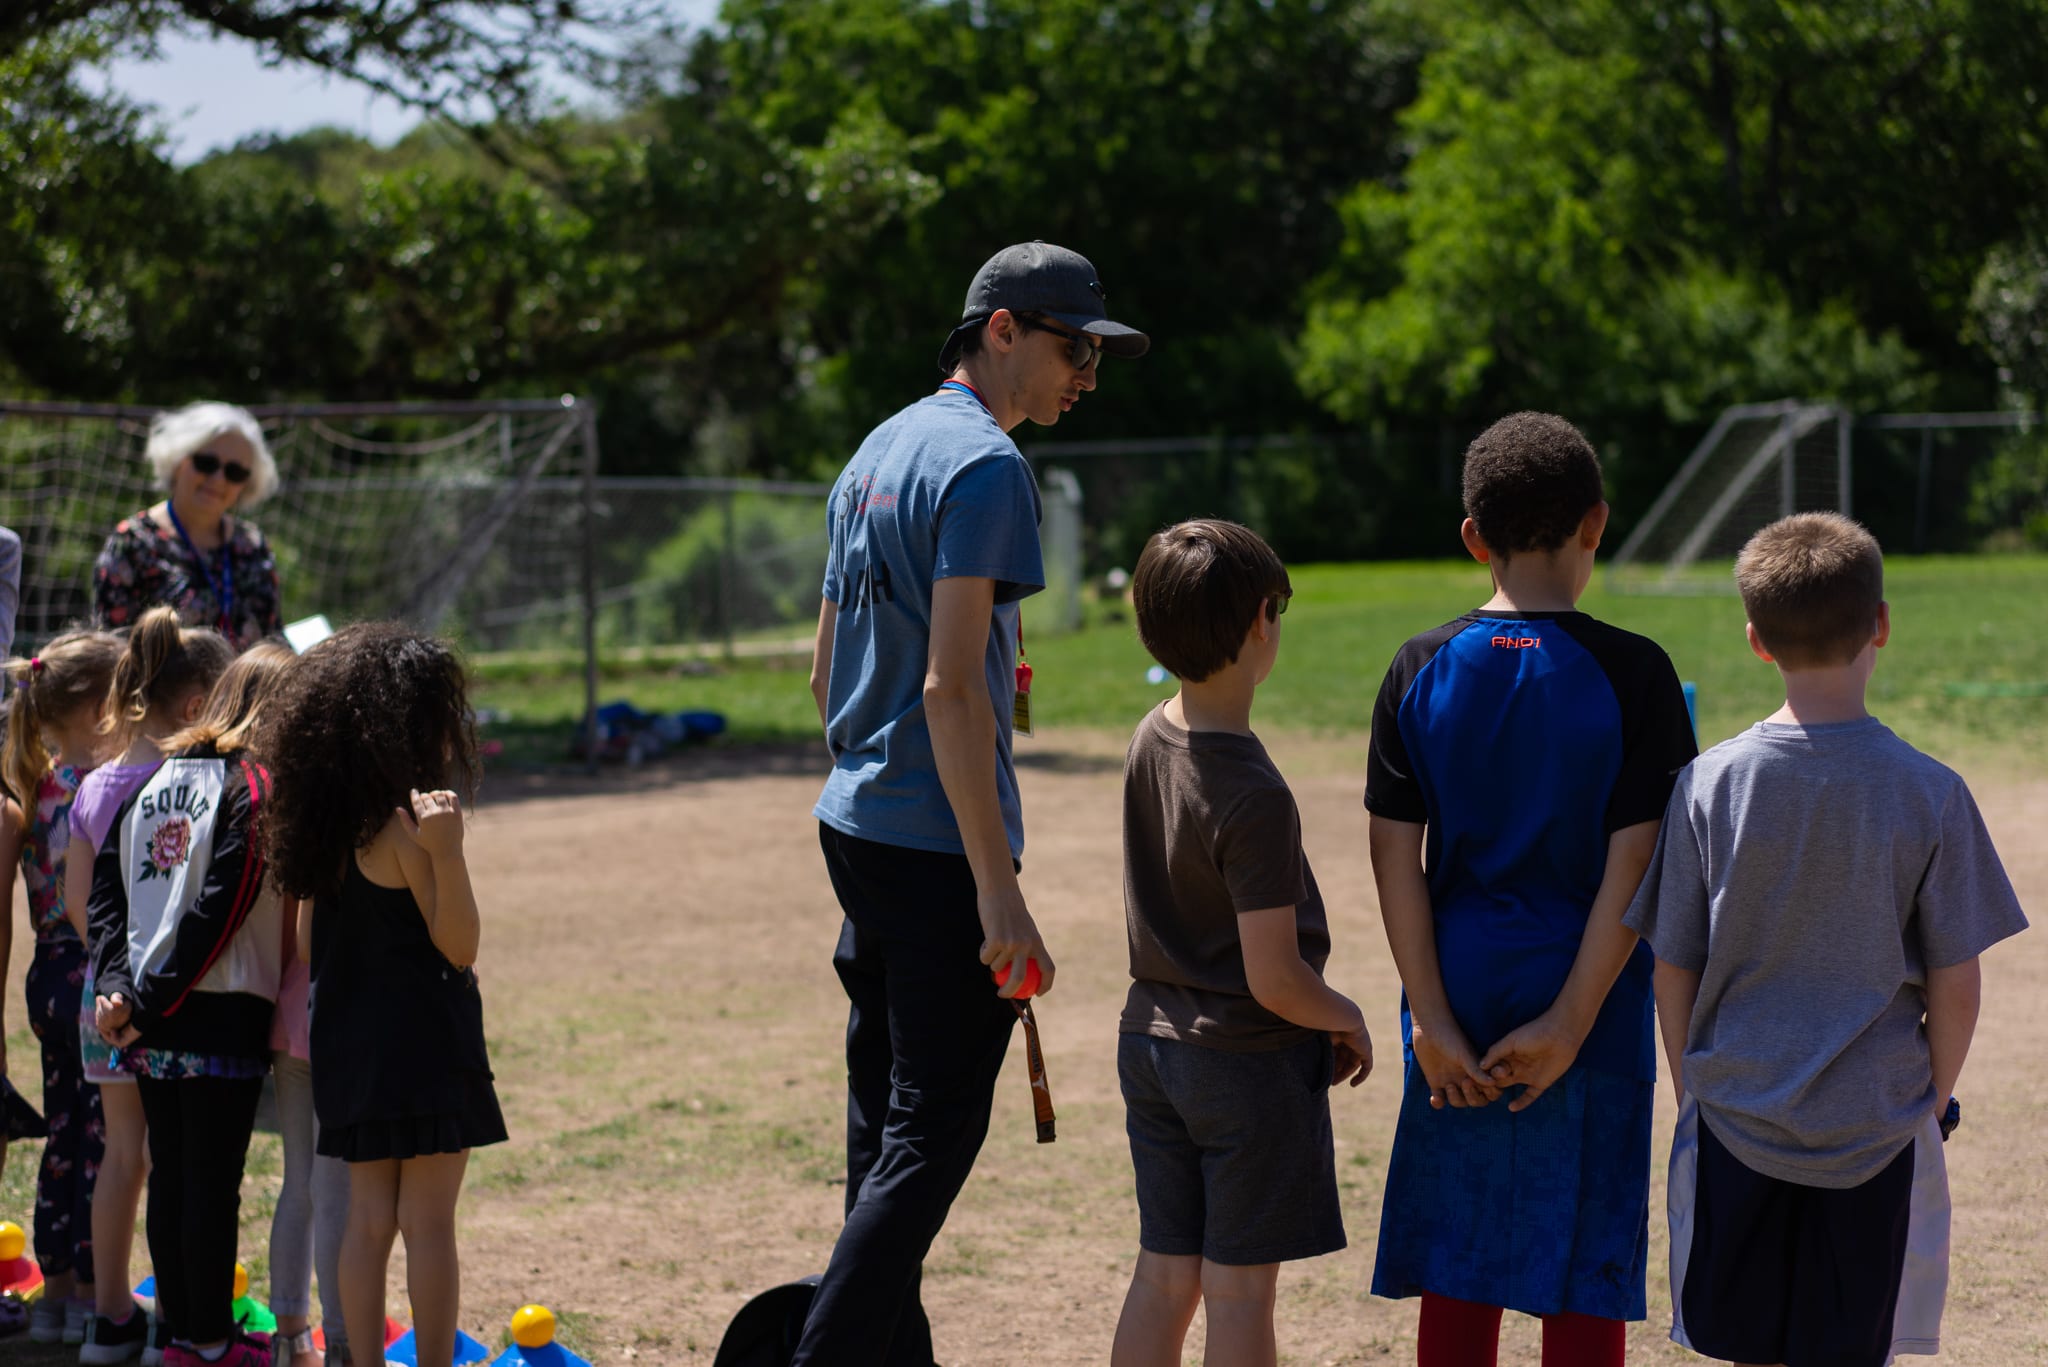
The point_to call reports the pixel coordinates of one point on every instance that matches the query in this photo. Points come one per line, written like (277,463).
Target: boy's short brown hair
(1530,480)
(1811,584)
(1196,588)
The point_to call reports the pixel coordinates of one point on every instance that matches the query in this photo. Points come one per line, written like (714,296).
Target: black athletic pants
(198,1141)
(925,1039)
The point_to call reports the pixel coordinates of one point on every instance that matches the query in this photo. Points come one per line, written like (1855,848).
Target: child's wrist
(1436,1025)
(1575,1018)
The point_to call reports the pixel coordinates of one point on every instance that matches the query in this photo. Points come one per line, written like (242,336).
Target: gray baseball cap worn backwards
(1051,282)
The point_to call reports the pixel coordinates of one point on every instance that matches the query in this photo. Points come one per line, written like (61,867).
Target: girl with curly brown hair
(370,742)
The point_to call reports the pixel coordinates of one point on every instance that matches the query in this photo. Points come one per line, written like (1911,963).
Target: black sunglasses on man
(1083,351)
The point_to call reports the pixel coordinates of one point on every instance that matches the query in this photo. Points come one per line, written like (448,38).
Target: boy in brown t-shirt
(1229,1040)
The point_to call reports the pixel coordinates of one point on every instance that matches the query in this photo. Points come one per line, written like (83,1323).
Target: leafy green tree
(455,57)
(1618,208)
(1193,151)
(2009,317)
(84,187)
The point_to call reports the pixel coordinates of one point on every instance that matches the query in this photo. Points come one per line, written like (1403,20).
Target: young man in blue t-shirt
(934,526)
(1520,761)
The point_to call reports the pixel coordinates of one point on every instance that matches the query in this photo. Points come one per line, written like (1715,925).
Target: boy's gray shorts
(1233,1152)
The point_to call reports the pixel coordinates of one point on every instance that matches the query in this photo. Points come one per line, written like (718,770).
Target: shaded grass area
(1967,669)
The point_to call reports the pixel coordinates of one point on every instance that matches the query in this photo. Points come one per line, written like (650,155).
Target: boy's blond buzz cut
(1812,585)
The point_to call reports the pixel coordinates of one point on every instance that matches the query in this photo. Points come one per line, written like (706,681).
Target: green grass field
(1966,672)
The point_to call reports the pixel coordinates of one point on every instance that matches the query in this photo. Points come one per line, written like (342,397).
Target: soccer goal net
(459,518)
(1758,463)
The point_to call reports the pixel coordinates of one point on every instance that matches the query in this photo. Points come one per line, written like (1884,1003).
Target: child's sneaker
(46,1320)
(77,1314)
(286,1348)
(13,1316)
(243,1350)
(110,1341)
(158,1343)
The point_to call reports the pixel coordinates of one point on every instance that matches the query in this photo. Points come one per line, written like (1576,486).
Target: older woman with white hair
(188,552)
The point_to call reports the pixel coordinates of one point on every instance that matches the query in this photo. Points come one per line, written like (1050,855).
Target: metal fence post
(1788,471)
(589,549)
(1923,489)
(1845,423)
(726,566)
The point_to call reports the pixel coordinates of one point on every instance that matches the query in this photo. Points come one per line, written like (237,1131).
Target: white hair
(179,433)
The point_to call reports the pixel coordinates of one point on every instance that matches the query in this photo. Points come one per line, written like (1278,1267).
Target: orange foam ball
(1032,977)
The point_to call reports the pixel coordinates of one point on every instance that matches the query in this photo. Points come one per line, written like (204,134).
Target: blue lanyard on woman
(223,585)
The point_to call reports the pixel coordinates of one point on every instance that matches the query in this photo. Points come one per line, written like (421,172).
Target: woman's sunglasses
(1083,351)
(207,463)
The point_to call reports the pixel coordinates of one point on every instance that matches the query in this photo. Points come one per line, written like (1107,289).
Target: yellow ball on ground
(12,1241)
(241,1281)
(533,1326)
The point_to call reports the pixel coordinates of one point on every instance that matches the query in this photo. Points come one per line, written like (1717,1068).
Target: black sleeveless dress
(397,1036)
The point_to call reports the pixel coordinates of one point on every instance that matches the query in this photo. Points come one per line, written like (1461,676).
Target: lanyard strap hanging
(223,584)
(1034,1056)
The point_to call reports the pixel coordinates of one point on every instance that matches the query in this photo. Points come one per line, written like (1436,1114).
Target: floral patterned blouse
(145,565)
(42,852)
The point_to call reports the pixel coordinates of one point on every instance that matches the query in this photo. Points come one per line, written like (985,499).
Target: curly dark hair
(366,716)
(1530,479)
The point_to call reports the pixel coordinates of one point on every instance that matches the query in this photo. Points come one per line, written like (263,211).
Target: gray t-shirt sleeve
(1965,903)
(988,528)
(1670,909)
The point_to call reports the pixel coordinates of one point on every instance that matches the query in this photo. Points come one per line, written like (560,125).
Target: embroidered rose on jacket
(167,849)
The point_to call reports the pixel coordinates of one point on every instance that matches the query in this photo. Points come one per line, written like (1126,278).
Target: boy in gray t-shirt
(1819,896)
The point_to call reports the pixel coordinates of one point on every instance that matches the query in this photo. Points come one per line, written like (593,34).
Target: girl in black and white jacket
(187,944)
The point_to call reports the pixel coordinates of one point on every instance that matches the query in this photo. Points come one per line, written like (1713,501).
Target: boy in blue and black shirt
(1520,763)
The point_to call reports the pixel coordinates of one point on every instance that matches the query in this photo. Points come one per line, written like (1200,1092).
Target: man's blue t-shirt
(936,492)
(1523,741)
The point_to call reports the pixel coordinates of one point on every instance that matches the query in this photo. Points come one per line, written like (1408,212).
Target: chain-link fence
(1936,483)
(1924,483)
(1384,494)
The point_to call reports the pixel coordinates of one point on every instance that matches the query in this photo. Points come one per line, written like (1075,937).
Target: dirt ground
(666,1029)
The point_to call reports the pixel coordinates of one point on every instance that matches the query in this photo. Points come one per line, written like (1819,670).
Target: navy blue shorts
(1781,1272)
(1233,1152)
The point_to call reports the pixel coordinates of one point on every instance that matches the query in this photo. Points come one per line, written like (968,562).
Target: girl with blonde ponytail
(158,687)
(52,740)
